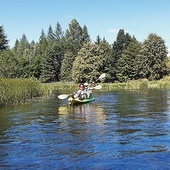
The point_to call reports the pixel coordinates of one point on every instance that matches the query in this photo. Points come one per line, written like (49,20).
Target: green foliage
(114,66)
(49,66)
(66,67)
(43,44)
(69,56)
(127,62)
(75,37)
(50,35)
(85,35)
(58,33)
(3,39)
(153,58)
(10,67)
(90,62)
(18,90)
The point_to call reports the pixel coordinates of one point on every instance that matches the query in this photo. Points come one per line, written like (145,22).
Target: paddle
(96,87)
(64,96)
(101,76)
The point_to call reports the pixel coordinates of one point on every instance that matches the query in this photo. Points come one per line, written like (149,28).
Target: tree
(9,65)
(22,47)
(3,40)
(127,63)
(75,37)
(50,35)
(98,40)
(85,35)
(153,58)
(50,66)
(43,43)
(66,68)
(16,45)
(105,53)
(42,36)
(90,62)
(121,43)
(58,33)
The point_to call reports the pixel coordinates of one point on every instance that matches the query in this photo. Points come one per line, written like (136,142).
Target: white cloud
(112,30)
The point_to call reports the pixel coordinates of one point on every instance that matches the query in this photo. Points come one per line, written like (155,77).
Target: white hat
(86,84)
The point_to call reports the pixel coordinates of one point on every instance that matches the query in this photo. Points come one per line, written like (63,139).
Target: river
(125,129)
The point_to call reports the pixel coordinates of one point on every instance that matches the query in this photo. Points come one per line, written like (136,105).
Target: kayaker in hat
(81,93)
(88,90)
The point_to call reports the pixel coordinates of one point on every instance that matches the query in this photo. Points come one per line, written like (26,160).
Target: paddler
(81,93)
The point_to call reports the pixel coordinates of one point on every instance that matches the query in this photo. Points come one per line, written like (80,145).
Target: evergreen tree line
(72,56)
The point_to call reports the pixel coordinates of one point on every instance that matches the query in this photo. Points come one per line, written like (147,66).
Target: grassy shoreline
(131,85)
(13,91)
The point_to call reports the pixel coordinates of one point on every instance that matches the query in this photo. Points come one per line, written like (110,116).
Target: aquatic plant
(17,90)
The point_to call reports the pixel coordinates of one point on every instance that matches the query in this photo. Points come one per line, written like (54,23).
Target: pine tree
(127,63)
(85,35)
(121,43)
(3,39)
(75,37)
(10,67)
(66,68)
(43,43)
(50,35)
(49,66)
(58,33)
(98,40)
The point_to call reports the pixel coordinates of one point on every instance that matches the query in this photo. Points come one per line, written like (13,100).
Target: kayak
(78,101)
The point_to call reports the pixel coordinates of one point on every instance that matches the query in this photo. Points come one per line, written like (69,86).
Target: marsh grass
(138,85)
(48,88)
(131,85)
(13,91)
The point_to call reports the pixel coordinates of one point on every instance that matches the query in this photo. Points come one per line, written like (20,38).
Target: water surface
(119,130)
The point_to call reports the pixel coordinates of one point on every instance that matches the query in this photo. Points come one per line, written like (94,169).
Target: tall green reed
(17,90)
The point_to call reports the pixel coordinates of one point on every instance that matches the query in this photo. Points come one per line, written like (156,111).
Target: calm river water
(119,130)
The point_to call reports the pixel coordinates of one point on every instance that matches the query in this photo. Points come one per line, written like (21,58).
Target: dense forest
(72,56)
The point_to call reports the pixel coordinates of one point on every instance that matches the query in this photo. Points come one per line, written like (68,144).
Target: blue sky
(102,17)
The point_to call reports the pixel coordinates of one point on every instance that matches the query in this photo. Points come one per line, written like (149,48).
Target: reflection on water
(119,130)
(87,112)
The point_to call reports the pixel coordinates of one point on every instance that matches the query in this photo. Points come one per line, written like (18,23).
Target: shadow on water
(119,130)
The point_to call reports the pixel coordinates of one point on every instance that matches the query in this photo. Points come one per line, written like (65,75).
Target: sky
(102,17)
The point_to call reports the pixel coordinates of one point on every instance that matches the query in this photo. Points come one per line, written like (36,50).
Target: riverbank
(131,85)
(13,91)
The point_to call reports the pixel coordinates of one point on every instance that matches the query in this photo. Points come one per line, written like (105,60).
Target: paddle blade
(102,76)
(63,96)
(96,87)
